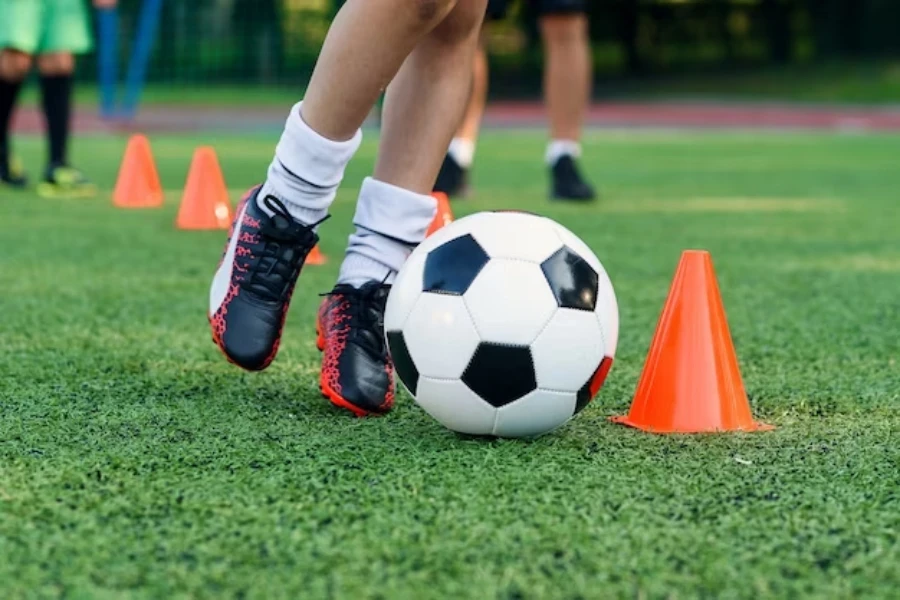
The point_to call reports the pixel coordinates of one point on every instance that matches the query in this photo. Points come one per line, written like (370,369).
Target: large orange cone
(444,214)
(138,183)
(205,203)
(316,257)
(691,381)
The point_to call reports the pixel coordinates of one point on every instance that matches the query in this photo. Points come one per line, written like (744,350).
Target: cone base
(151,203)
(202,227)
(752,427)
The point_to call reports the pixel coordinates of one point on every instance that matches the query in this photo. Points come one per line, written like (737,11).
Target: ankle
(359,269)
(390,222)
(307,169)
(559,148)
(462,151)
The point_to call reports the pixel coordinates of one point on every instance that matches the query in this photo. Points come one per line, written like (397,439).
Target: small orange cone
(444,215)
(691,381)
(316,257)
(138,184)
(205,203)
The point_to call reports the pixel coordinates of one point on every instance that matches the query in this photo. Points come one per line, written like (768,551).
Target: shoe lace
(286,243)
(365,311)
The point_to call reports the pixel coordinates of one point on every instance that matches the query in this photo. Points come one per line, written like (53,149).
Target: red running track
(692,115)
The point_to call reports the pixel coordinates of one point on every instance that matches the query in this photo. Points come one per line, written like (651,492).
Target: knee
(464,19)
(60,63)
(14,65)
(564,29)
(432,11)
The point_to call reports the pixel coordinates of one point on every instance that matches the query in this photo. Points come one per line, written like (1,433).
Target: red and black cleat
(357,373)
(251,291)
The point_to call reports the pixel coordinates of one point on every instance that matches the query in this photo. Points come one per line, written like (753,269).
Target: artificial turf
(135,462)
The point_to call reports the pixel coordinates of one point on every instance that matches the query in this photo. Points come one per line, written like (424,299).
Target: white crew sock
(462,151)
(390,222)
(307,169)
(556,149)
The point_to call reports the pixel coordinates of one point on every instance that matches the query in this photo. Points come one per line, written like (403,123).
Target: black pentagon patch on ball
(452,267)
(573,281)
(403,362)
(500,374)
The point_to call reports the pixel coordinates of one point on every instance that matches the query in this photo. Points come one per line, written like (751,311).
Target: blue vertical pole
(107,59)
(148,23)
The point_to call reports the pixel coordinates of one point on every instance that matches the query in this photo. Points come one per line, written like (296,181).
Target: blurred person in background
(567,87)
(45,33)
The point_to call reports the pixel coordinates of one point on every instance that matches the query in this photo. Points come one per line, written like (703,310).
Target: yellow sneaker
(66,182)
(12,174)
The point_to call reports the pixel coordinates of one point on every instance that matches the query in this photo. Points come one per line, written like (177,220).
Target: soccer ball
(502,324)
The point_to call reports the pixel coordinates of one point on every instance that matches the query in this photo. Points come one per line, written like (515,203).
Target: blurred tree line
(272,41)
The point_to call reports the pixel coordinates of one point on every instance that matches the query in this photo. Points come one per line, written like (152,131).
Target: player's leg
(275,226)
(453,178)
(66,33)
(19,38)
(422,108)
(567,88)
(14,67)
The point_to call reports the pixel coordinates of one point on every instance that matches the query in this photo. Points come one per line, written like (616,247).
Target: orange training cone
(138,184)
(691,381)
(444,215)
(205,203)
(316,257)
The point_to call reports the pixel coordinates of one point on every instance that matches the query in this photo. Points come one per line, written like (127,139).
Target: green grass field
(136,463)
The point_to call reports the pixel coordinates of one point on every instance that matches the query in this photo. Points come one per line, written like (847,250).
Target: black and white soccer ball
(502,324)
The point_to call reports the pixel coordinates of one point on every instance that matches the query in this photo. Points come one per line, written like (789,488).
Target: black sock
(56,92)
(9,91)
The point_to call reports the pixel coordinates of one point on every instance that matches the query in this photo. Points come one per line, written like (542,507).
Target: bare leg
(471,123)
(567,73)
(453,176)
(567,88)
(426,99)
(365,47)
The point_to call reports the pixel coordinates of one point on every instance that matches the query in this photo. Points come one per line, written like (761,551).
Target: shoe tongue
(369,286)
(280,221)
(284,229)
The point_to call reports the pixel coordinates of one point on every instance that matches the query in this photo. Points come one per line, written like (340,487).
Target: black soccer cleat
(357,372)
(453,178)
(568,183)
(251,291)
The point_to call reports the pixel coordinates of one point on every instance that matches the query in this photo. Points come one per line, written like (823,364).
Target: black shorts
(497,8)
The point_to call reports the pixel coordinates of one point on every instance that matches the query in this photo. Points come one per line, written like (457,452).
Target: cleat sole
(332,396)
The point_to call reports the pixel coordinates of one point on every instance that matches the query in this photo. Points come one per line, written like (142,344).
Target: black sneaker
(568,184)
(12,174)
(357,372)
(251,291)
(453,178)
